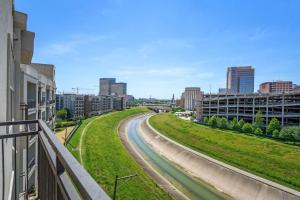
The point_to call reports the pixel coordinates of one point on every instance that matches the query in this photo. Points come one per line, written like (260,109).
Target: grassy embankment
(104,157)
(264,157)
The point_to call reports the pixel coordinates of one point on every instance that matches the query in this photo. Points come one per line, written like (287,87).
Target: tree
(205,120)
(258,131)
(247,128)
(290,133)
(68,113)
(273,125)
(275,133)
(259,121)
(235,125)
(213,122)
(62,114)
(241,123)
(223,123)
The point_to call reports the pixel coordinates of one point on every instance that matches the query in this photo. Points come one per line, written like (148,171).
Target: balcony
(59,174)
(31,103)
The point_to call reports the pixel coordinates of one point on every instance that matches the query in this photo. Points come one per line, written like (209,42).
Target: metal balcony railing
(31,103)
(60,176)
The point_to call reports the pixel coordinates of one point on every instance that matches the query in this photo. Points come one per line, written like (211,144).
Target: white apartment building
(26,93)
(33,163)
(75,104)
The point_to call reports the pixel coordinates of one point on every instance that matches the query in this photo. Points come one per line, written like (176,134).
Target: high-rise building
(276,87)
(192,97)
(240,80)
(118,89)
(105,85)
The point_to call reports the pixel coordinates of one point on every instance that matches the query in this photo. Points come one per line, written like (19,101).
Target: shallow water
(192,188)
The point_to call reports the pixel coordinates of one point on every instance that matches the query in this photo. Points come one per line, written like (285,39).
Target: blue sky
(161,46)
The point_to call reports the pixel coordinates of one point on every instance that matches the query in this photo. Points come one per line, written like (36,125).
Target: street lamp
(121,178)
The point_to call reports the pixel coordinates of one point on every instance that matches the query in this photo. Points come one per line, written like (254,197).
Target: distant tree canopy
(63,114)
(257,128)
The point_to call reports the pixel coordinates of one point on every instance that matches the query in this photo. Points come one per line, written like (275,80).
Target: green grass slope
(264,157)
(104,157)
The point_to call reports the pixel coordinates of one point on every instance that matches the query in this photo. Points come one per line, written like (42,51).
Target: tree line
(273,129)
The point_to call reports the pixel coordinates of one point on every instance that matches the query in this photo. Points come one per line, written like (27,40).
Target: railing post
(115,188)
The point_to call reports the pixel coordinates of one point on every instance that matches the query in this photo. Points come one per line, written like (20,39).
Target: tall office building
(276,87)
(192,97)
(105,85)
(118,89)
(240,80)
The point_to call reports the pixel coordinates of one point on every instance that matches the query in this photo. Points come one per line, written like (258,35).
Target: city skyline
(191,44)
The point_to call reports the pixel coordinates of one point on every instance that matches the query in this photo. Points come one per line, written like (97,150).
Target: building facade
(118,103)
(105,85)
(296,88)
(119,89)
(26,93)
(285,107)
(192,97)
(240,80)
(74,103)
(97,105)
(59,101)
(276,87)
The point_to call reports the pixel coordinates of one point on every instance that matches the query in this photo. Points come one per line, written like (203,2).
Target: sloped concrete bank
(230,180)
(160,180)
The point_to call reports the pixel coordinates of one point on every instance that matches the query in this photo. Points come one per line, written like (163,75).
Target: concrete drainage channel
(168,175)
(235,182)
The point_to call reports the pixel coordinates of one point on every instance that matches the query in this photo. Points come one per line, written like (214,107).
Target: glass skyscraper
(240,80)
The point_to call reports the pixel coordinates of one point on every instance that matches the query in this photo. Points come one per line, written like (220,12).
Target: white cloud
(158,72)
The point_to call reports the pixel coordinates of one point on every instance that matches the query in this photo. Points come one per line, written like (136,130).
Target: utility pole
(116,183)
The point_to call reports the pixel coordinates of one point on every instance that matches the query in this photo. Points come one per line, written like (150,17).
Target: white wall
(6,24)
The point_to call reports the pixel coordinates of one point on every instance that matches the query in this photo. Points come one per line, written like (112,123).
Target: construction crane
(77,89)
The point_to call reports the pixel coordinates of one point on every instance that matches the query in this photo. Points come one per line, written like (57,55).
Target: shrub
(223,123)
(58,124)
(205,120)
(275,133)
(259,121)
(258,131)
(241,123)
(247,128)
(273,125)
(234,125)
(213,121)
(290,133)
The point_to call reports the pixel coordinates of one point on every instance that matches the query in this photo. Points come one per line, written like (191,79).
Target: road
(190,187)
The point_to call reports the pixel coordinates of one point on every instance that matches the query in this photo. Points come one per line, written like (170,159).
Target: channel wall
(230,180)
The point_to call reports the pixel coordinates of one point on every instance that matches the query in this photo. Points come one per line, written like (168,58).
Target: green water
(192,188)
